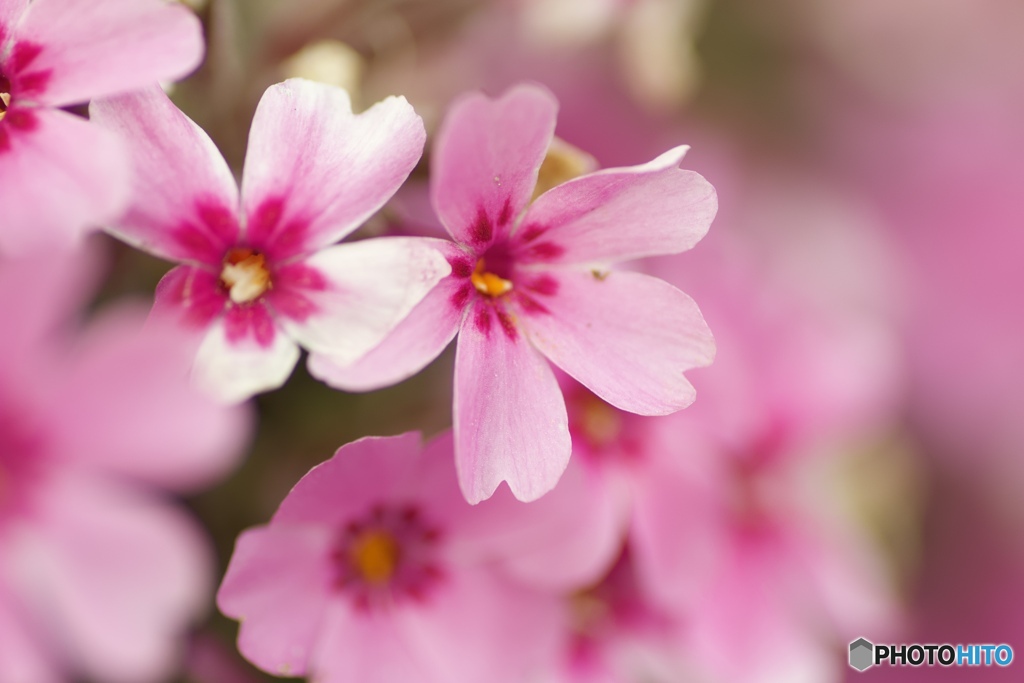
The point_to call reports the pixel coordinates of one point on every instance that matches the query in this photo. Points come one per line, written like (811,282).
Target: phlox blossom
(98,575)
(59,174)
(371,570)
(261,273)
(531,283)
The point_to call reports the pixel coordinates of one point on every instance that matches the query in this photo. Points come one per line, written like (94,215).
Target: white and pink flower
(261,274)
(60,175)
(531,283)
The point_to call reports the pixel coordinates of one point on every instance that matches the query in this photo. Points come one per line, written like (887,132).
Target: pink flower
(532,282)
(617,634)
(60,175)
(371,571)
(98,576)
(259,276)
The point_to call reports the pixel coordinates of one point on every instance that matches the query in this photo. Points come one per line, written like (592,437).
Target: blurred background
(869,159)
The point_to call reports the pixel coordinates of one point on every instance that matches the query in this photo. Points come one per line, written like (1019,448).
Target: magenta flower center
(245,275)
(388,555)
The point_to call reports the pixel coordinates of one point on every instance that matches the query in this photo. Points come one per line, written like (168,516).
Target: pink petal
(35,308)
(567,539)
(91,568)
(243,354)
(408,348)
(373,652)
(22,656)
(486,158)
(184,199)
(355,294)
(96,49)
(192,297)
(627,337)
(510,421)
(46,154)
(482,628)
(277,585)
(359,475)
(314,171)
(620,214)
(127,406)
(10,14)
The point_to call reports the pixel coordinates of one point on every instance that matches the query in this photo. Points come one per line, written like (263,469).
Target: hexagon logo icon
(862,654)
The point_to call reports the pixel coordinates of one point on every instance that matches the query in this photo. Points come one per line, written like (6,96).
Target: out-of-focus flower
(57,53)
(97,576)
(533,282)
(370,570)
(616,634)
(260,275)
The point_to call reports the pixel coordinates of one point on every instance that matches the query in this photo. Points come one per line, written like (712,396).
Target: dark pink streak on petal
(17,69)
(291,284)
(193,295)
(461,296)
(485,313)
(250,320)
(210,233)
(545,285)
(528,248)
(275,234)
(482,230)
(461,267)
(17,121)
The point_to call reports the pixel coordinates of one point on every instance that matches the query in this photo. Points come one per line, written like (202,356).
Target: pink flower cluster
(573,525)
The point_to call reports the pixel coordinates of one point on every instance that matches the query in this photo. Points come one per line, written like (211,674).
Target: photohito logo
(864,654)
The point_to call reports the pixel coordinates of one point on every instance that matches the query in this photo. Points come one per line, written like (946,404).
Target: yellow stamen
(488,283)
(374,554)
(245,275)
(5,103)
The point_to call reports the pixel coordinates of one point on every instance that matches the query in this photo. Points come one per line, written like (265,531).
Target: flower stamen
(487,283)
(245,275)
(374,555)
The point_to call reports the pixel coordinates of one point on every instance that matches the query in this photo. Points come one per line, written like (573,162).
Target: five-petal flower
(260,272)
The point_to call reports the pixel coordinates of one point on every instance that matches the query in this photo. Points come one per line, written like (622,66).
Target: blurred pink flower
(56,53)
(97,576)
(371,571)
(617,634)
(533,282)
(259,274)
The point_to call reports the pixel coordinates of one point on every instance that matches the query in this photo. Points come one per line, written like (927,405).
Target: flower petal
(360,474)
(486,159)
(344,300)
(244,354)
(408,348)
(128,407)
(22,656)
(277,585)
(620,214)
(314,171)
(184,199)
(96,49)
(373,651)
(456,637)
(567,539)
(91,564)
(48,154)
(509,417)
(10,14)
(627,337)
